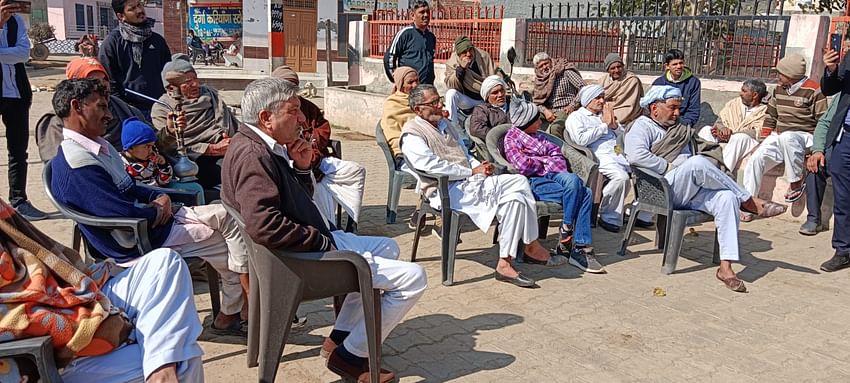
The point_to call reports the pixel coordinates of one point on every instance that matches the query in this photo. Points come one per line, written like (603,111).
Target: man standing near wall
(15,101)
(677,75)
(134,55)
(414,45)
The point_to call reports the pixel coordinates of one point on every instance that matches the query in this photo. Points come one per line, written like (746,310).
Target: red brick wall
(174,24)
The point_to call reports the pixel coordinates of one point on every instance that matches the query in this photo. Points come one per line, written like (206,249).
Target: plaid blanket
(47,289)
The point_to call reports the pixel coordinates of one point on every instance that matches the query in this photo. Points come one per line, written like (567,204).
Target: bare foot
(164,374)
(505,268)
(223,321)
(537,251)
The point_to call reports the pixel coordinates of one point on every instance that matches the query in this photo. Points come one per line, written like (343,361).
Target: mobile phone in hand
(23,6)
(835,43)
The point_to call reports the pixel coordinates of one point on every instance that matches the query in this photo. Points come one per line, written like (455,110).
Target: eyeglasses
(433,104)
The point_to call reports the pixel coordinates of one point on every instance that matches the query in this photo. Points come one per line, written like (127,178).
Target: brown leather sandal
(733,283)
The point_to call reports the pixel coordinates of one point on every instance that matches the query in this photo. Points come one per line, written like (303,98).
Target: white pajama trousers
(788,148)
(699,185)
(403,283)
(156,295)
(739,145)
(614,193)
(343,184)
(457,100)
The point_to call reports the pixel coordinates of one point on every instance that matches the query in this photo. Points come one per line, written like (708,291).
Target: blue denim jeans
(576,199)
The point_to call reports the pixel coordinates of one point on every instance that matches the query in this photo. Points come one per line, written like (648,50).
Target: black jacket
(833,83)
(414,48)
(116,55)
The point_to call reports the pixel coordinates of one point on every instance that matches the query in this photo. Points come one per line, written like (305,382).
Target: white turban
(491,82)
(588,93)
(659,93)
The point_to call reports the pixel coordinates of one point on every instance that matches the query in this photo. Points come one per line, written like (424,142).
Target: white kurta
(507,197)
(342,184)
(694,181)
(787,147)
(739,145)
(156,294)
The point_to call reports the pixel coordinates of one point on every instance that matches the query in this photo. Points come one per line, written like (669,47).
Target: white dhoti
(699,185)
(403,283)
(739,145)
(224,250)
(788,148)
(156,295)
(505,197)
(343,184)
(457,100)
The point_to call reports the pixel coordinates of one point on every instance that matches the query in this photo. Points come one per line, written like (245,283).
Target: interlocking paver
(575,327)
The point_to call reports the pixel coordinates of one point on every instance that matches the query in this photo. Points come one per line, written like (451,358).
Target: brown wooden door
(299,31)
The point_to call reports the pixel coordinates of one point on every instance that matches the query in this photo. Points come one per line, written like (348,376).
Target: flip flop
(733,283)
(795,194)
(772,209)
(236,328)
(747,217)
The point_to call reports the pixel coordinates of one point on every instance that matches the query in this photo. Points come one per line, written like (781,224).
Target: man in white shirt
(595,126)
(430,146)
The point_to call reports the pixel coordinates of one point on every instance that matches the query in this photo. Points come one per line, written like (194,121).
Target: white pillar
(255,35)
(513,35)
(807,36)
(358,50)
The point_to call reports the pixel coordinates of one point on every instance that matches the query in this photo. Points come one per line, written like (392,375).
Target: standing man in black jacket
(837,80)
(414,45)
(15,101)
(134,55)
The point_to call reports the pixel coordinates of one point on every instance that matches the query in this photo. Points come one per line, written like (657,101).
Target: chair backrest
(479,146)
(653,191)
(381,140)
(581,149)
(496,147)
(442,183)
(335,148)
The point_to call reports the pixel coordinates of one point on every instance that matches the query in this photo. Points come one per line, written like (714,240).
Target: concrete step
(233,78)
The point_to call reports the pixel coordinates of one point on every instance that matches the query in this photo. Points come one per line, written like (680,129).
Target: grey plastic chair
(396,176)
(652,194)
(335,149)
(129,232)
(586,165)
(39,350)
(495,148)
(281,280)
(479,147)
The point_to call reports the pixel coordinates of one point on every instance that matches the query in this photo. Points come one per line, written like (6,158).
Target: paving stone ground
(791,327)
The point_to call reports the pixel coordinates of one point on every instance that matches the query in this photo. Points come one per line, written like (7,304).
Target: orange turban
(82,67)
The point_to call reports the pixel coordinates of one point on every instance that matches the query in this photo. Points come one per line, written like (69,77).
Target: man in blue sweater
(134,55)
(414,45)
(679,76)
(88,175)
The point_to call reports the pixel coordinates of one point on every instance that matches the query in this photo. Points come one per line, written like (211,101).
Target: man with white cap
(596,127)
(696,183)
(431,147)
(551,180)
(494,111)
(792,114)
(739,123)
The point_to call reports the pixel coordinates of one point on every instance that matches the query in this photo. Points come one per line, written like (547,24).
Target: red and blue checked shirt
(533,155)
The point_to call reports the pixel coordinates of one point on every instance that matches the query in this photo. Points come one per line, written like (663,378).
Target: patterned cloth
(532,154)
(566,89)
(47,289)
(148,171)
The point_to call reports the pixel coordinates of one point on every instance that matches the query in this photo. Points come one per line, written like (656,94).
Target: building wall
(62,15)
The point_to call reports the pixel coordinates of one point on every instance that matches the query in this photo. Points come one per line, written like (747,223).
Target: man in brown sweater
(792,114)
(266,176)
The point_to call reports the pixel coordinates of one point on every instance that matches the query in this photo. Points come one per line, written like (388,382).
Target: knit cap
(462,44)
(793,66)
(81,68)
(284,72)
(135,132)
(612,58)
(522,113)
(179,65)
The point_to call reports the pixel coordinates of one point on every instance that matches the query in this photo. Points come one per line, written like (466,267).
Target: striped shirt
(797,108)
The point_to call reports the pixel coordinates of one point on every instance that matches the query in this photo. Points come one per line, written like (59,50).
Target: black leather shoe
(520,280)
(608,227)
(644,224)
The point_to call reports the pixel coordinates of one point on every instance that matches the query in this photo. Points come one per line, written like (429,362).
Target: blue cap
(136,132)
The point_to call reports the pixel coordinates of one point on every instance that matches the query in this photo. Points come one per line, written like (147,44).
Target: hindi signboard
(215,20)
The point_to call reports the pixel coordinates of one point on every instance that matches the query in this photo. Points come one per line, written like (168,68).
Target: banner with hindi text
(215,20)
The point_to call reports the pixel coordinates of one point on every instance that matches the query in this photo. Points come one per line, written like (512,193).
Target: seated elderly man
(595,126)
(49,127)
(207,122)
(107,324)
(655,142)
(623,90)
(556,84)
(432,147)
(396,110)
(465,71)
(494,111)
(792,114)
(89,176)
(739,123)
(337,181)
(267,179)
(548,173)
